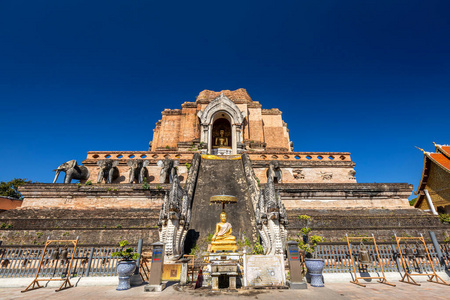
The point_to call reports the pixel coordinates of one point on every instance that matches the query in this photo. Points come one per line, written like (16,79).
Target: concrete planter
(315,268)
(125,269)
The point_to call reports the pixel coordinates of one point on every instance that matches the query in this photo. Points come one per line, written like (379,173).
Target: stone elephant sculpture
(72,170)
(166,166)
(138,171)
(108,170)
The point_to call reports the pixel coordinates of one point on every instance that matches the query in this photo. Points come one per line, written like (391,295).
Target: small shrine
(223,240)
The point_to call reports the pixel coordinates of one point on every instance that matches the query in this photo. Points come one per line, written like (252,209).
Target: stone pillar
(136,279)
(184,271)
(204,134)
(215,282)
(156,271)
(233,139)
(232,281)
(430,203)
(210,141)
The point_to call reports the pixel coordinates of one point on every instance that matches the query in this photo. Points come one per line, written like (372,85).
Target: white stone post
(430,203)
(233,139)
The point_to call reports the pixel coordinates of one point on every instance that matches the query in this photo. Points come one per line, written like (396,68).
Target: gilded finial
(420,149)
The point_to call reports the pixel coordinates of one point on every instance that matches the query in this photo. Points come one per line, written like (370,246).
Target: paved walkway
(333,291)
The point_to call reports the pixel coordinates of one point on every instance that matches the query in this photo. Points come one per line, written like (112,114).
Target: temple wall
(96,196)
(336,196)
(189,129)
(156,133)
(274,132)
(297,167)
(255,125)
(114,200)
(347,204)
(170,127)
(310,175)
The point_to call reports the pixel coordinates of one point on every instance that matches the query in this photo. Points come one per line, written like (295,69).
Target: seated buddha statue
(221,141)
(222,239)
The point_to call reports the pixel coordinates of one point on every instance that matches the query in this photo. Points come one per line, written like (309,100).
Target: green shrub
(125,253)
(257,248)
(445,218)
(312,240)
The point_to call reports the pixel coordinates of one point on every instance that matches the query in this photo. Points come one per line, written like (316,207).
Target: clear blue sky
(368,77)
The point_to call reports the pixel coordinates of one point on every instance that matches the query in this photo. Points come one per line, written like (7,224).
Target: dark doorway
(221,134)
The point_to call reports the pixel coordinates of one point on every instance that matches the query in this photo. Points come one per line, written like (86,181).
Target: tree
(413,201)
(11,188)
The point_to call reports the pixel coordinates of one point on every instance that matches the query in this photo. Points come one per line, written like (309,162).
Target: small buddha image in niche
(221,140)
(221,134)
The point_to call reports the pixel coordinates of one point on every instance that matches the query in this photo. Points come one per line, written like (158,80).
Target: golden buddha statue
(221,141)
(222,239)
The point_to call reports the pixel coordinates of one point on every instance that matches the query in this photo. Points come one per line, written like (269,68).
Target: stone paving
(331,291)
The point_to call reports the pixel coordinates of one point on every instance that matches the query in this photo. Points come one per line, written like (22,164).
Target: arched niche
(221,108)
(221,131)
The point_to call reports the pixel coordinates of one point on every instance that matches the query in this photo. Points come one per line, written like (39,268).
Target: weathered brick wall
(95,226)
(274,131)
(345,196)
(190,128)
(255,129)
(93,196)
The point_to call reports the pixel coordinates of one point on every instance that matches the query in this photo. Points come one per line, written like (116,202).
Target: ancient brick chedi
(221,143)
(244,123)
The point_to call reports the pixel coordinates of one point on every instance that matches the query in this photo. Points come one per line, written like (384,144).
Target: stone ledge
(382,187)
(72,190)
(304,164)
(272,111)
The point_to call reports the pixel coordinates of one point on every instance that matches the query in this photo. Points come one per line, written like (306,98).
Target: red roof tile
(441,159)
(446,149)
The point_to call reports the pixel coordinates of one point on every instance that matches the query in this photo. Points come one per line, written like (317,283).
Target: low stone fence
(336,258)
(97,261)
(88,261)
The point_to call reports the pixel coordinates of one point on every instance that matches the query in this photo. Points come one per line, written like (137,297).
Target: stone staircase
(218,177)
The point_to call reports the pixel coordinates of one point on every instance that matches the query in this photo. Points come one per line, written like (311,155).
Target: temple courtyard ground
(330,291)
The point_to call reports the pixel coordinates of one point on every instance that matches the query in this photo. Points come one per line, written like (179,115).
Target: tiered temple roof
(435,178)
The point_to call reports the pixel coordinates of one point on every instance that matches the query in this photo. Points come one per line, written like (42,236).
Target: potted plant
(308,245)
(126,265)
